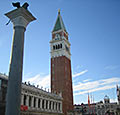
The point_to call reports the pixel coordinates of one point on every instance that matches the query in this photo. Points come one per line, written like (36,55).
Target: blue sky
(94,34)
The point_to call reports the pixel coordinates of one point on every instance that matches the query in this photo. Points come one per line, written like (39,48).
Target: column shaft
(32,102)
(22,96)
(20,17)
(15,73)
(41,103)
(27,100)
(48,104)
(36,102)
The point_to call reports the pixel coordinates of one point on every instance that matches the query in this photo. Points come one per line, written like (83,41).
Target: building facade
(100,108)
(61,75)
(3,91)
(34,101)
(118,94)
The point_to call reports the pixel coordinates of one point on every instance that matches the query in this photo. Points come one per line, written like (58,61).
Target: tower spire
(58,11)
(59,25)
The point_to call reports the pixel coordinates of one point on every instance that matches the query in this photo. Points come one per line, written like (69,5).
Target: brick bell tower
(61,75)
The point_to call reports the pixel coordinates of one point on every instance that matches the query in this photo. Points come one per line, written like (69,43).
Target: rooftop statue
(17,4)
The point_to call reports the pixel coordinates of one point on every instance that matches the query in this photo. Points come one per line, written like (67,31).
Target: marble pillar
(20,18)
(27,100)
(36,102)
(48,104)
(41,103)
(22,97)
(44,104)
(60,107)
(32,102)
(51,105)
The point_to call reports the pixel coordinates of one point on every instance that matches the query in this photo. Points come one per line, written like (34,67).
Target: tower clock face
(57,36)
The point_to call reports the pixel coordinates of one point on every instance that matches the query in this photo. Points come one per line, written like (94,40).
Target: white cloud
(79,88)
(96,89)
(86,80)
(42,81)
(111,67)
(80,73)
(93,86)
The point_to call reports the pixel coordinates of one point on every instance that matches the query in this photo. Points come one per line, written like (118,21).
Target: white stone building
(35,100)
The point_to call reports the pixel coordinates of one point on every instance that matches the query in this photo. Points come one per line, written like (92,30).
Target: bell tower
(61,75)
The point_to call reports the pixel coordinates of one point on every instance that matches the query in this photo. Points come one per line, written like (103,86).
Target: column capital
(20,17)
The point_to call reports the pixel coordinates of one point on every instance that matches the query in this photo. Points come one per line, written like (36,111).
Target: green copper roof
(59,25)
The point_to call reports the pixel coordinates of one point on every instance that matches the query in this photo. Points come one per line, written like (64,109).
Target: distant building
(34,101)
(99,108)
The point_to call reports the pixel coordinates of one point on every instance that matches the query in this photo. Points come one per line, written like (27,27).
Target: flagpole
(89,102)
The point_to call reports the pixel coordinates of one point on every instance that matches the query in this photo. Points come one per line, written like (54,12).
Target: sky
(94,34)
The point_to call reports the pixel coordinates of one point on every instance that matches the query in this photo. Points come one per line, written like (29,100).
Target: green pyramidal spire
(59,25)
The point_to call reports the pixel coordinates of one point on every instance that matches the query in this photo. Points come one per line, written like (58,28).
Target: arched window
(42,104)
(50,105)
(56,106)
(60,45)
(24,100)
(59,106)
(56,47)
(30,101)
(46,104)
(34,101)
(53,47)
(53,105)
(38,103)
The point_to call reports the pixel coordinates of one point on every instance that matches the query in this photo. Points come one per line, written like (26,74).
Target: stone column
(60,107)
(20,18)
(54,106)
(57,107)
(22,97)
(27,101)
(44,104)
(32,102)
(48,105)
(41,103)
(36,102)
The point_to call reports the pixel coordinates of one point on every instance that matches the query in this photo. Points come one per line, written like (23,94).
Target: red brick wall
(61,80)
